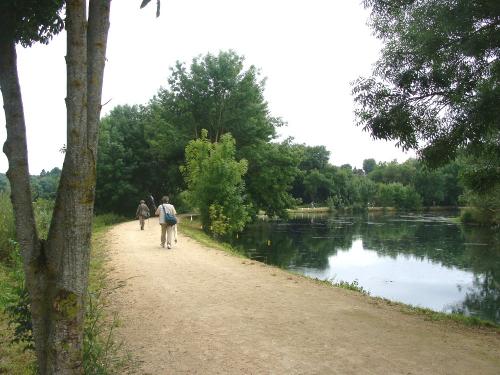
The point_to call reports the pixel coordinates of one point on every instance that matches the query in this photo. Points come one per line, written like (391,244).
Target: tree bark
(15,148)
(57,270)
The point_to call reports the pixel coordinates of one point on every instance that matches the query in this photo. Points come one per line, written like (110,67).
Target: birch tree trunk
(57,270)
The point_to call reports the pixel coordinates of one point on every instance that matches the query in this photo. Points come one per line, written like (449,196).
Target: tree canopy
(436,86)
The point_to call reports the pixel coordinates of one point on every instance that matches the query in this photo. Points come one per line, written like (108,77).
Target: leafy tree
(45,185)
(217,94)
(215,183)
(313,157)
(273,167)
(398,196)
(317,186)
(437,79)
(369,165)
(394,172)
(126,171)
(56,269)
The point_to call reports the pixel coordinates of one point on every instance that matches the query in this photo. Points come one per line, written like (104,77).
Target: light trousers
(168,229)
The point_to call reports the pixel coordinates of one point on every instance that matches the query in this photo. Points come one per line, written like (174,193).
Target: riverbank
(300,210)
(205,311)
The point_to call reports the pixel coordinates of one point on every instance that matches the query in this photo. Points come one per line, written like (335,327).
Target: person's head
(165,199)
(142,201)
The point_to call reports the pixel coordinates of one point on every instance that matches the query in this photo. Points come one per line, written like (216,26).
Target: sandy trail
(195,310)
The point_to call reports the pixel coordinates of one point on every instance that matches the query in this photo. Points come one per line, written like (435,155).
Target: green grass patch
(102,354)
(193,230)
(470,321)
(354,285)
(14,359)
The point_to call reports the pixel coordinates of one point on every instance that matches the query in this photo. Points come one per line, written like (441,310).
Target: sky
(309,51)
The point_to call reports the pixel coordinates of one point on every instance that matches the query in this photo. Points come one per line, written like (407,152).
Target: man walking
(142,213)
(167,228)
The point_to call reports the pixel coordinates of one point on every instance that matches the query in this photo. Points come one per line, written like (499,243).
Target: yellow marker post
(268,242)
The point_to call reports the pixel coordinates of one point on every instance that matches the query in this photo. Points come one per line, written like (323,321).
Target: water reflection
(421,260)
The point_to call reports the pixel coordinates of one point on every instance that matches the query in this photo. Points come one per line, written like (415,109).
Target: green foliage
(4,183)
(100,348)
(126,171)
(272,170)
(485,207)
(398,196)
(45,185)
(142,148)
(437,79)
(15,302)
(215,184)
(7,228)
(30,21)
(105,220)
(354,285)
(369,165)
(217,94)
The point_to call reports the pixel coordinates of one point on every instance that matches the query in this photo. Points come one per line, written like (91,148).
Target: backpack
(169,218)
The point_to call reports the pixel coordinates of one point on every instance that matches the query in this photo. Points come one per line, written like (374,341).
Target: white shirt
(161,211)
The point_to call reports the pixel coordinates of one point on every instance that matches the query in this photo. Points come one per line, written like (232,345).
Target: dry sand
(196,310)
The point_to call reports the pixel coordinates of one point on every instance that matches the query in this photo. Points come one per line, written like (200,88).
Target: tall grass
(7,229)
(101,352)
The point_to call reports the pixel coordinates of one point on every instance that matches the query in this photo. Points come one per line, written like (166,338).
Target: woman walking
(166,208)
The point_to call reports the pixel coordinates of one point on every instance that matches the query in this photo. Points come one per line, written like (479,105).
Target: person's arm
(138,211)
(173,209)
(157,213)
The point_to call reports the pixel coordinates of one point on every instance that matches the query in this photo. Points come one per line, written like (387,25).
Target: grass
(193,229)
(436,316)
(102,354)
(13,358)
(350,286)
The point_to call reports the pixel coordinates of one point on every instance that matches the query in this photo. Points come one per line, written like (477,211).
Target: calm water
(422,260)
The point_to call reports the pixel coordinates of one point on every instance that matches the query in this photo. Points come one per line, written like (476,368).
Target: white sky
(309,51)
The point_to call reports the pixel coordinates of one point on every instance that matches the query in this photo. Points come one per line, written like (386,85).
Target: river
(424,260)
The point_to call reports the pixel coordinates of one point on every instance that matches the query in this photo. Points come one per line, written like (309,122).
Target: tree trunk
(57,270)
(15,148)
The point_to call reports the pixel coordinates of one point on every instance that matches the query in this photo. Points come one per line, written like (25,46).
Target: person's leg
(169,236)
(163,231)
(141,220)
(175,233)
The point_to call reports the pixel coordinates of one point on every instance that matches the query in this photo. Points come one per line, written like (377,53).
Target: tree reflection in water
(309,241)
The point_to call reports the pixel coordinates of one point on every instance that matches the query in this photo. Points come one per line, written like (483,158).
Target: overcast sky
(309,51)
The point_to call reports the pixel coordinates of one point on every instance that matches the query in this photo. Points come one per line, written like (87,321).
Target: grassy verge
(102,354)
(14,359)
(431,315)
(192,229)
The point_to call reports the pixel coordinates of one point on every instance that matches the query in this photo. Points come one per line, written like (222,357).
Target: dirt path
(195,310)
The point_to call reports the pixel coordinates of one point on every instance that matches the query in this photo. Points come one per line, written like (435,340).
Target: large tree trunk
(57,270)
(16,150)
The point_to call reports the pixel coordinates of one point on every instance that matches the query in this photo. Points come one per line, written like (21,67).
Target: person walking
(142,213)
(163,208)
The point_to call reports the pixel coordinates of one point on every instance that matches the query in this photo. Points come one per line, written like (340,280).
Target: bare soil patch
(196,310)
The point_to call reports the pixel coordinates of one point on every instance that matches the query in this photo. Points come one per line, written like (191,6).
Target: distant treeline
(142,149)
(43,186)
